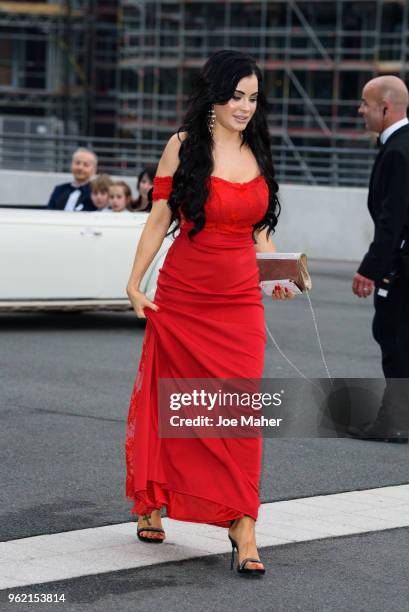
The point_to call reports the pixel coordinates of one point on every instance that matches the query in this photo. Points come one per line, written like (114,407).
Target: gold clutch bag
(284,267)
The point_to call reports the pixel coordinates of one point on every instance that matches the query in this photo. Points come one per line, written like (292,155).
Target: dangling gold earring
(211,119)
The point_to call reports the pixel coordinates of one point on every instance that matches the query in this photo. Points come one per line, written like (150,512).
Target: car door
(49,255)
(115,253)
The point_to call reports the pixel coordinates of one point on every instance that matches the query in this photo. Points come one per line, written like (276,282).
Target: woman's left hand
(280,293)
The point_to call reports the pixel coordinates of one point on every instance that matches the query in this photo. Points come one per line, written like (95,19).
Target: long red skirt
(210,324)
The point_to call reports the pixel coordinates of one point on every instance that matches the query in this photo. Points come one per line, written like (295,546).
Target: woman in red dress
(216,180)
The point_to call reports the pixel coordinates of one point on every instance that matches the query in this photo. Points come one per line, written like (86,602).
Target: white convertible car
(56,260)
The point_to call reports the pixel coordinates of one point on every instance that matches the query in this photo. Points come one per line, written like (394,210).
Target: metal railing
(312,165)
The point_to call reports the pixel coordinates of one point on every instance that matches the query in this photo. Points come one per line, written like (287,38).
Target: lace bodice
(230,207)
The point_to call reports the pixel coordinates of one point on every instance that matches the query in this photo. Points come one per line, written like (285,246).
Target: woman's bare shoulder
(178,137)
(170,157)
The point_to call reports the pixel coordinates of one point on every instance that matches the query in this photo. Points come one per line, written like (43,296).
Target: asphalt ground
(65,383)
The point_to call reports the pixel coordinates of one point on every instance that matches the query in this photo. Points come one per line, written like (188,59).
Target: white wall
(324,222)
(35,188)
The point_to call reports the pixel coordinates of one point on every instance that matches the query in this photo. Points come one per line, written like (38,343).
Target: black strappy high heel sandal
(145,538)
(241,567)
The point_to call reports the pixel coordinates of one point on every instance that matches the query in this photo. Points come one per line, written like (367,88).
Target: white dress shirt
(72,200)
(391,129)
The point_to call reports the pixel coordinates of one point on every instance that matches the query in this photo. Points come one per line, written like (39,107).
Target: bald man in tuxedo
(383,271)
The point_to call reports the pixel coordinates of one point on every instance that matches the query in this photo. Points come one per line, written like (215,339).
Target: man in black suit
(384,108)
(76,195)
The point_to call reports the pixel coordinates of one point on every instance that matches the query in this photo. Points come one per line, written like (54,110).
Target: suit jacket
(61,193)
(388,204)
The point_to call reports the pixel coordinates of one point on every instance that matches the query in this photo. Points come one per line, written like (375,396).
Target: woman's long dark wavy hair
(216,84)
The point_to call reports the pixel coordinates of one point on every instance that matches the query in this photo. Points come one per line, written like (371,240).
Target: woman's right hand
(282,294)
(139,301)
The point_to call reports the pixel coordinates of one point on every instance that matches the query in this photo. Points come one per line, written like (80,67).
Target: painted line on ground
(61,556)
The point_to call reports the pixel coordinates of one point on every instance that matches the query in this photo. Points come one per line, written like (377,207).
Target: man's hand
(362,286)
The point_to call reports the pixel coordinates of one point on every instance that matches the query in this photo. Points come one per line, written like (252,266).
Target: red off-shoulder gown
(210,323)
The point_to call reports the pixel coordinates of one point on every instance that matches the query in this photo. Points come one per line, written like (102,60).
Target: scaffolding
(124,68)
(315,56)
(53,65)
